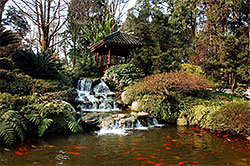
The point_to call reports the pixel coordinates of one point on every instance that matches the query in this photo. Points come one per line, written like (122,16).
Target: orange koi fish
(174,140)
(132,149)
(167,148)
(18,153)
(74,153)
(141,158)
(78,147)
(150,162)
(181,163)
(153,157)
(33,146)
(138,154)
(195,162)
(125,153)
(159,164)
(23,149)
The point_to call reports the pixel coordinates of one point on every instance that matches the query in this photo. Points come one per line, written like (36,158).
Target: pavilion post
(100,60)
(109,57)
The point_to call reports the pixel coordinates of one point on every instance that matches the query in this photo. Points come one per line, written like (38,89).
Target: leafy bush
(237,116)
(120,76)
(43,86)
(85,67)
(162,107)
(233,116)
(192,69)
(24,115)
(164,83)
(15,84)
(41,65)
(240,91)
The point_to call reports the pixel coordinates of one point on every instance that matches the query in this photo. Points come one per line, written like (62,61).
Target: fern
(44,126)
(12,125)
(7,133)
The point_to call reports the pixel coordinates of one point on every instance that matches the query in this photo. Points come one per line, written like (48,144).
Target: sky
(131,3)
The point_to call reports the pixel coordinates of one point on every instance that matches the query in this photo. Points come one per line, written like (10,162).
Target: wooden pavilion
(114,49)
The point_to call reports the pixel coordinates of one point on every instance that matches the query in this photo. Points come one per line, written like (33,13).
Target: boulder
(123,96)
(139,114)
(93,118)
(182,121)
(134,106)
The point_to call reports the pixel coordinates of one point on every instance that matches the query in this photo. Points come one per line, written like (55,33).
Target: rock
(181,121)
(139,114)
(134,106)
(123,96)
(93,118)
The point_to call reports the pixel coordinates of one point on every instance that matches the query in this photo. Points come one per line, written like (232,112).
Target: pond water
(159,146)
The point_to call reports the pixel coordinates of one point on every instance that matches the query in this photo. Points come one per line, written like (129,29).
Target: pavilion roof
(117,38)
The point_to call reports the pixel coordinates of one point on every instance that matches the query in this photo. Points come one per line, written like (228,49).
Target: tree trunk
(249,25)
(2,4)
(234,83)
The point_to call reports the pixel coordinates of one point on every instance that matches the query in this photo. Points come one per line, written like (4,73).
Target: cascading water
(98,106)
(95,98)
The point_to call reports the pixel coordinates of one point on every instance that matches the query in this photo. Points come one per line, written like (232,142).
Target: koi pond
(168,145)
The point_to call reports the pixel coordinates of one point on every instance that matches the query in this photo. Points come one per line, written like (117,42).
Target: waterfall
(97,105)
(155,122)
(139,126)
(95,98)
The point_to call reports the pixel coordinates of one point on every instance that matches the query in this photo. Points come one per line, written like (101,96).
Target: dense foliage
(41,65)
(160,94)
(29,115)
(121,76)
(222,115)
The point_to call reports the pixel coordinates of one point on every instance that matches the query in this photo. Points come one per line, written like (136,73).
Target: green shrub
(161,107)
(231,116)
(192,69)
(43,86)
(24,115)
(41,65)
(120,76)
(240,91)
(237,116)
(15,84)
(85,67)
(166,83)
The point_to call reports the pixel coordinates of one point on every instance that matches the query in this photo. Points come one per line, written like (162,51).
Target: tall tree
(48,15)
(223,41)
(161,45)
